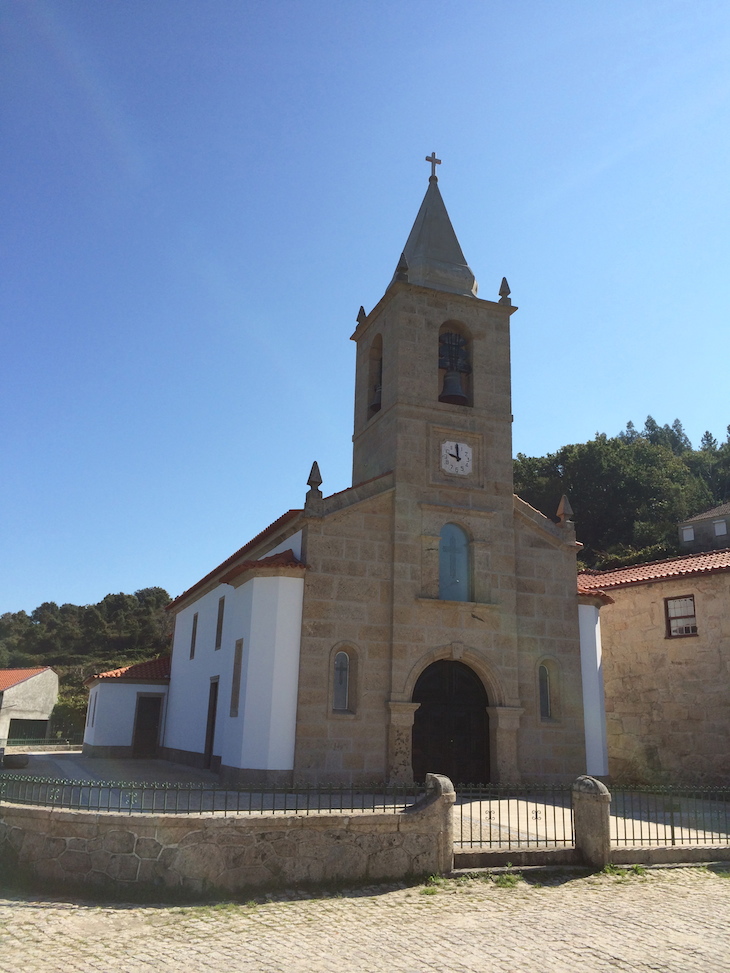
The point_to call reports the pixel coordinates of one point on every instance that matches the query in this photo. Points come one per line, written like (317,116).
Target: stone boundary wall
(211,851)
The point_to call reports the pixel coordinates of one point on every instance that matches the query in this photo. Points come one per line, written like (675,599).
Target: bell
(453,391)
(376,400)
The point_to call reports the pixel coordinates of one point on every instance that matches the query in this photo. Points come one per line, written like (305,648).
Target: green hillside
(78,640)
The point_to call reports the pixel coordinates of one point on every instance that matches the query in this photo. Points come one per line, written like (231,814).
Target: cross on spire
(434,162)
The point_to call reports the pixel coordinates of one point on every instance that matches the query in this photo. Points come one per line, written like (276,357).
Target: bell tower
(432,389)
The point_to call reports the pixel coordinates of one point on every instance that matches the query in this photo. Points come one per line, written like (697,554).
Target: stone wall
(667,699)
(237,852)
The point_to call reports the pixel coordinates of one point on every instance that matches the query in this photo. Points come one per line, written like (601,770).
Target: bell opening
(454,362)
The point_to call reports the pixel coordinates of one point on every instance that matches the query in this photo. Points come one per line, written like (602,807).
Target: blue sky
(199,195)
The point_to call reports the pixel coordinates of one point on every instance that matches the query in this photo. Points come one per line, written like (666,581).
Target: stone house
(27,698)
(666,667)
(424,619)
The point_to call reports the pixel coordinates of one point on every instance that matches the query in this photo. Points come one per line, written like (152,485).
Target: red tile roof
(595,593)
(722,511)
(280,522)
(152,669)
(686,565)
(11,677)
(286,559)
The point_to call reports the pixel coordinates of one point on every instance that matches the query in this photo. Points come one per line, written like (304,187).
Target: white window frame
(681,616)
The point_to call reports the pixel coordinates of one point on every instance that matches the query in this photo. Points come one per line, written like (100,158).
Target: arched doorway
(451,726)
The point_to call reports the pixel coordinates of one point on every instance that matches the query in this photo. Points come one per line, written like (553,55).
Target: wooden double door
(451,725)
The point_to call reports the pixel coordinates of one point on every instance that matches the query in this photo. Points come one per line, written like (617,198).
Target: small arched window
(454,574)
(341,683)
(546,706)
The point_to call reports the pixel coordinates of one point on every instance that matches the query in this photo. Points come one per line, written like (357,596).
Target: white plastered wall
(594,709)
(267,614)
(262,737)
(293,543)
(111,711)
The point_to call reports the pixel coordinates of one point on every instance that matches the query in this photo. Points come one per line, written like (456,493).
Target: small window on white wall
(236,681)
(341,684)
(219,623)
(194,635)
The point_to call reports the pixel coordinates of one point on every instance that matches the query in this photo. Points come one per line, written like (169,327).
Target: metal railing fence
(74,739)
(130,797)
(513,816)
(670,816)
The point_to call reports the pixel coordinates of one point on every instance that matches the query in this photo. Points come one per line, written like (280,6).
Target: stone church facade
(425,619)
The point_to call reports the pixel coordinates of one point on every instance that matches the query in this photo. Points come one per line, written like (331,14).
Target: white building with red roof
(666,666)
(27,698)
(424,619)
(126,709)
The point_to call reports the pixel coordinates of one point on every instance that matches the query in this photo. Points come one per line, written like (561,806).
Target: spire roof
(432,252)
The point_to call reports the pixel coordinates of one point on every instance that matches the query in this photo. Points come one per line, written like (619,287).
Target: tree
(78,640)
(628,492)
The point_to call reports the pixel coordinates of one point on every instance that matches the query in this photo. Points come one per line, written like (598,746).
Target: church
(423,620)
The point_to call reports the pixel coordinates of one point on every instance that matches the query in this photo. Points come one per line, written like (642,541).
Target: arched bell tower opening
(451,724)
(454,364)
(375,376)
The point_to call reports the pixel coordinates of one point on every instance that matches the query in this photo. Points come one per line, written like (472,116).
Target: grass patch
(507,880)
(618,871)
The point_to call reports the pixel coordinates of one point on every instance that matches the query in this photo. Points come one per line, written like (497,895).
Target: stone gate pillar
(504,722)
(400,741)
(592,821)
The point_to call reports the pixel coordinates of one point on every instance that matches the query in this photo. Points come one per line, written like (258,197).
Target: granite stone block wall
(668,699)
(230,853)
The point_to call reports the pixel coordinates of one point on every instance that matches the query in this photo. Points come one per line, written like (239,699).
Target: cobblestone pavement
(670,919)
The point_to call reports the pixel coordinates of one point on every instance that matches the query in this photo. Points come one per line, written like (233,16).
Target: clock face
(456,458)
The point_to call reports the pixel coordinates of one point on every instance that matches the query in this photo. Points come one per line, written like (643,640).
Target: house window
(341,684)
(454,580)
(720,528)
(236,682)
(193,635)
(681,619)
(219,623)
(543,678)
(688,533)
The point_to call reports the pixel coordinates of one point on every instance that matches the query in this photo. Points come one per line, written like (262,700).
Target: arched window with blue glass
(454,569)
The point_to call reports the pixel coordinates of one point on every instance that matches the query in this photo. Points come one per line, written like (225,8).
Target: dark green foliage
(78,640)
(628,492)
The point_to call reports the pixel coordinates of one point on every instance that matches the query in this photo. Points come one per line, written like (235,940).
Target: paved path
(671,919)
(72,765)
